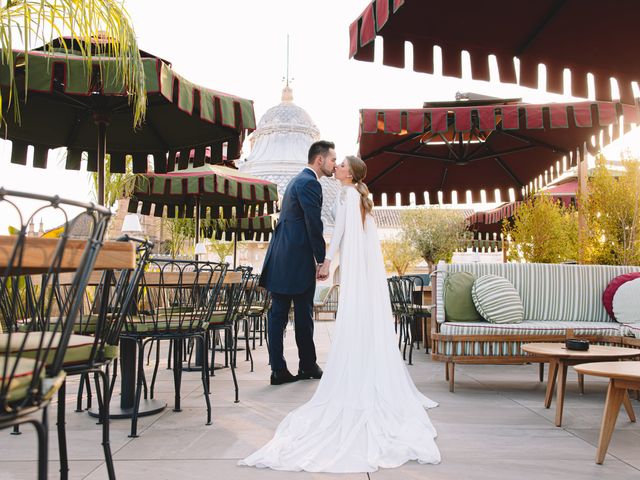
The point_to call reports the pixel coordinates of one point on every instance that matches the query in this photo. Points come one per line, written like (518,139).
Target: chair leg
(212,365)
(581,383)
(412,330)
(104,415)
(79,395)
(113,377)
(169,355)
(155,369)
(233,374)
(177,371)
(541,372)
(205,376)
(249,354)
(62,433)
(42,430)
(149,353)
(246,334)
(136,405)
(234,352)
(87,384)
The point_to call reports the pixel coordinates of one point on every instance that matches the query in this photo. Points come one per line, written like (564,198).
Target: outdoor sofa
(560,301)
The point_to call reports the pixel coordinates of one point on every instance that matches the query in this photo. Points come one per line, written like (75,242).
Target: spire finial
(287,93)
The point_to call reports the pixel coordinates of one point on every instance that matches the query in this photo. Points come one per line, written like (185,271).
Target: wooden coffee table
(622,376)
(560,358)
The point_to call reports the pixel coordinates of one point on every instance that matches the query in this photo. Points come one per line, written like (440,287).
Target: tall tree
(435,233)
(25,24)
(543,231)
(612,213)
(399,256)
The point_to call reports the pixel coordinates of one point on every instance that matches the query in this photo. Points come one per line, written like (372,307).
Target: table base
(147,407)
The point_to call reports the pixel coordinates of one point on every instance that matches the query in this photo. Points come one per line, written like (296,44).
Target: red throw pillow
(610,291)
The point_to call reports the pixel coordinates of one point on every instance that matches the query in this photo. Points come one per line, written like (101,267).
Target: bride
(366,412)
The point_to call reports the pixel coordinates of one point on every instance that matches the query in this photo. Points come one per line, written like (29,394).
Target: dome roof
(286,117)
(279,149)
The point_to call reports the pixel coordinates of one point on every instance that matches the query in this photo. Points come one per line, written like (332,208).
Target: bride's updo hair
(358,172)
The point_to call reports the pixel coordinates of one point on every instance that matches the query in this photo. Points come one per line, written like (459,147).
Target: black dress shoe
(282,376)
(313,372)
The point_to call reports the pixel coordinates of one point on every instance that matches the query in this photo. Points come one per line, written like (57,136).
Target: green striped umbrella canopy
(242,229)
(219,192)
(87,110)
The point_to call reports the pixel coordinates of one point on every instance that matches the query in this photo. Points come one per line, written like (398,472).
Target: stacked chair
(243,318)
(175,300)
(223,320)
(258,315)
(406,311)
(109,305)
(38,320)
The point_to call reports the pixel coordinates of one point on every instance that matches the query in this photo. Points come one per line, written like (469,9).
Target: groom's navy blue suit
(289,269)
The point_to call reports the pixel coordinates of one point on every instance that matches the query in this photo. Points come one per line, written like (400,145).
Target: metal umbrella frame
(66,105)
(467,146)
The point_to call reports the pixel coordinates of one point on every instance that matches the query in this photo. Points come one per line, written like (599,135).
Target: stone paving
(494,426)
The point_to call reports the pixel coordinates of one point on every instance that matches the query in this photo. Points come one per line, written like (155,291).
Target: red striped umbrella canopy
(491,220)
(585,36)
(474,146)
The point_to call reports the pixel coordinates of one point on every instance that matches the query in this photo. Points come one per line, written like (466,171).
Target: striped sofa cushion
(531,327)
(631,330)
(496,299)
(502,348)
(549,292)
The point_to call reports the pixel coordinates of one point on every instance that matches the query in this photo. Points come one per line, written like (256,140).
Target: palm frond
(104,23)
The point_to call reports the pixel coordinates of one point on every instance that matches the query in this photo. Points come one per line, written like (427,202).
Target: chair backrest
(249,295)
(176,296)
(111,302)
(39,321)
(232,294)
(261,300)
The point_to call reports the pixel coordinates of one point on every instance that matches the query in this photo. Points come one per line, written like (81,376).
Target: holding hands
(322,270)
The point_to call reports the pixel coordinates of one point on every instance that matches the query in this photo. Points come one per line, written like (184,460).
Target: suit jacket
(297,243)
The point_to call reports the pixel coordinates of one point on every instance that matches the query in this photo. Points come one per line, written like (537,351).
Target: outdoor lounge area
(205,276)
(495,426)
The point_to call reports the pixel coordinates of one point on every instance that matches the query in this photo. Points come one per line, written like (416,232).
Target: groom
(290,267)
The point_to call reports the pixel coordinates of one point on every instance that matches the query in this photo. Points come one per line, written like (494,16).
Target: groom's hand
(322,272)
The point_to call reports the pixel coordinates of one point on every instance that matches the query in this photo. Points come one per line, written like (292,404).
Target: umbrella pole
(197,225)
(101,122)
(235,247)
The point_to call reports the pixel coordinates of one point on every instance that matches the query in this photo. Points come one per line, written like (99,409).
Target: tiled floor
(494,426)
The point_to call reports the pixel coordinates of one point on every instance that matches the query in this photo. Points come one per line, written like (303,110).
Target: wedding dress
(366,412)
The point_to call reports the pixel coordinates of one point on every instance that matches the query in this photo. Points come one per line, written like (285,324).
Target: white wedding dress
(366,412)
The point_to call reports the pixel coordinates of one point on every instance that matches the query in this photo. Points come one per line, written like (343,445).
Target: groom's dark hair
(321,147)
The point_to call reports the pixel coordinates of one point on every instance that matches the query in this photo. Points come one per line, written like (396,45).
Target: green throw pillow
(458,304)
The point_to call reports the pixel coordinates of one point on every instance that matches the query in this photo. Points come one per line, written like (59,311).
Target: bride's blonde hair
(358,171)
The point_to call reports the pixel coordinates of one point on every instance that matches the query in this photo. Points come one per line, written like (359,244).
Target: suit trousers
(303,322)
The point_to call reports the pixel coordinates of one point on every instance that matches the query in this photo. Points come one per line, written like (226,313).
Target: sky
(239,47)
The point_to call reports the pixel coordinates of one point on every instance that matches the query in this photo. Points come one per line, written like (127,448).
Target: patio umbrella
(470,146)
(585,36)
(88,111)
(233,202)
(491,220)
